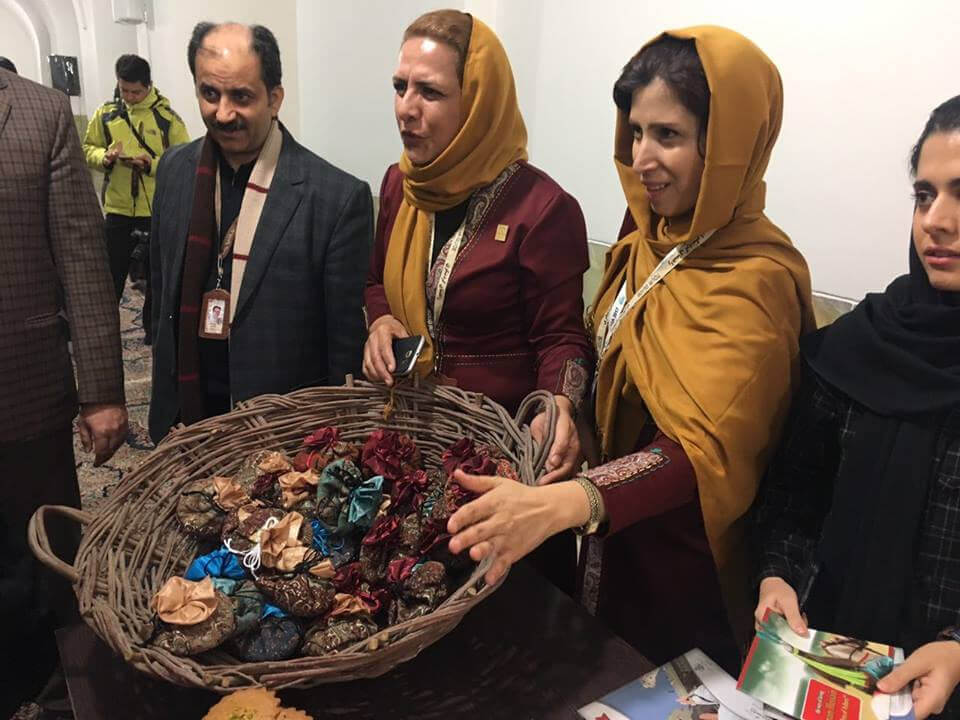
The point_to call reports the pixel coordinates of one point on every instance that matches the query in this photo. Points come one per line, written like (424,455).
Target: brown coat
(53,269)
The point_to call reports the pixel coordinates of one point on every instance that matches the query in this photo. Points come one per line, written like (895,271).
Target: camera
(141,250)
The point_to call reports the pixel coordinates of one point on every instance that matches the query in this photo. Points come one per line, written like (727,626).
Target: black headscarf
(898,355)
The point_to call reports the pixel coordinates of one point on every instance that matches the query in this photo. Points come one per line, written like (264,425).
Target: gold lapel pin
(501,234)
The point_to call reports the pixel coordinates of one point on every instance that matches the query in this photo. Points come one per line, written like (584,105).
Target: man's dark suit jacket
(299,317)
(53,269)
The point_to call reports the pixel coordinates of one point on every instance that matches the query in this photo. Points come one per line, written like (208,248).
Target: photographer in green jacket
(125,139)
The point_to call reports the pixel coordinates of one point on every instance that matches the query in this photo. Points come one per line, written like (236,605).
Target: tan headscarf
(492,137)
(711,352)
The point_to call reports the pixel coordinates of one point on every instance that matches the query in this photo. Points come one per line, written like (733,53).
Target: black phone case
(405,354)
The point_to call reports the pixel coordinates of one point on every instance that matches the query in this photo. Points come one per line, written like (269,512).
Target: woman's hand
(510,519)
(777,595)
(934,669)
(565,451)
(378,360)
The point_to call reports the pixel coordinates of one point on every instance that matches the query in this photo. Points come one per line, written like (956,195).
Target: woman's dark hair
(944,118)
(7,64)
(133,68)
(263,43)
(676,62)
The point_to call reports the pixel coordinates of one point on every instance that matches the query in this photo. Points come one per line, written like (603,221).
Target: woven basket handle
(40,543)
(536,402)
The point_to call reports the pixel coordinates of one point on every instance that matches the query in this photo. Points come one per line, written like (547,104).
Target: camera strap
(143,143)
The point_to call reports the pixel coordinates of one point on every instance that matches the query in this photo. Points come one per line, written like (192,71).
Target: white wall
(859,80)
(86,29)
(348,52)
(53,27)
(104,41)
(169,32)
(17,42)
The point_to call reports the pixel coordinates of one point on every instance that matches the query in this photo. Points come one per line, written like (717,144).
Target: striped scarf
(202,250)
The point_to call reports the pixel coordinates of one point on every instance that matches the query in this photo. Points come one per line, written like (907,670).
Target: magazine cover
(675,691)
(824,676)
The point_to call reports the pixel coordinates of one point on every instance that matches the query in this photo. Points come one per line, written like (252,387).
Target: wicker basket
(134,542)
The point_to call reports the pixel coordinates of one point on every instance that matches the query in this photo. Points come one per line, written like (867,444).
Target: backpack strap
(163,122)
(111,111)
(164,126)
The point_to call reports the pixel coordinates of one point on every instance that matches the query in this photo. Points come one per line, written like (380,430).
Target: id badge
(215,315)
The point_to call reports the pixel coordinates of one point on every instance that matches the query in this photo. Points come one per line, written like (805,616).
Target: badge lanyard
(611,321)
(443,279)
(218,329)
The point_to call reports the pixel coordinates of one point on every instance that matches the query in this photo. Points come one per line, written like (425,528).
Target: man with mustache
(248,217)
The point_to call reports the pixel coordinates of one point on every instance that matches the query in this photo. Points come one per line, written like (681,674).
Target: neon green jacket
(157,124)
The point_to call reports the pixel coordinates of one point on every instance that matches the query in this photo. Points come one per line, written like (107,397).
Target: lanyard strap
(226,246)
(443,279)
(618,311)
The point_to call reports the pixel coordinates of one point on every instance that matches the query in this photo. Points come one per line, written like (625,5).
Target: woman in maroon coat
(697,324)
(477,250)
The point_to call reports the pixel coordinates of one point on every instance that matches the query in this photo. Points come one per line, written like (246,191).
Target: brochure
(824,676)
(684,689)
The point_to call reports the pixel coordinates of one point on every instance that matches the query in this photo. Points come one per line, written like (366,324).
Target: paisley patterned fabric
(186,640)
(242,527)
(320,552)
(247,606)
(258,474)
(275,638)
(301,594)
(322,447)
(330,636)
(422,592)
(198,512)
(337,482)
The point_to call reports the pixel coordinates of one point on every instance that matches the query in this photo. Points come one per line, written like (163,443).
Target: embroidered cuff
(574,381)
(626,469)
(950,633)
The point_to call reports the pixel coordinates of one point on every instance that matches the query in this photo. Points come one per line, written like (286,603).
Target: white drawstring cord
(251,558)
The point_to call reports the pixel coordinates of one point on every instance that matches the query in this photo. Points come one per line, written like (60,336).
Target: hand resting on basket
(511,519)
(565,451)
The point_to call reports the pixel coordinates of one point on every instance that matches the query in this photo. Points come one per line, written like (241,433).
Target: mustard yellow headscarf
(492,137)
(711,352)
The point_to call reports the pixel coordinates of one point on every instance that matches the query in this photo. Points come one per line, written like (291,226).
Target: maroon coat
(650,574)
(513,316)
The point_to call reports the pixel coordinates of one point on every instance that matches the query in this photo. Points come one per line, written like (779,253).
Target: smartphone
(406,352)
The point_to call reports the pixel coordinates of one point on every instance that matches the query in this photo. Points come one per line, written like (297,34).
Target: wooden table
(528,651)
